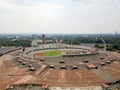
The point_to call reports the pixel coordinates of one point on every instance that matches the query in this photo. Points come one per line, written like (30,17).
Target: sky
(60,16)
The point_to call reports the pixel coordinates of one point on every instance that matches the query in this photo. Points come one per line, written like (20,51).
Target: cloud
(117,3)
(57,16)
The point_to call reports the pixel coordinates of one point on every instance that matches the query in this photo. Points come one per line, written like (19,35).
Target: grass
(53,53)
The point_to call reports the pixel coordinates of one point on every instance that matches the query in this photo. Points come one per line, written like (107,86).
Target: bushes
(24,43)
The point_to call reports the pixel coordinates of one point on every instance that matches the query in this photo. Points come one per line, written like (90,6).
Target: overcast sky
(59,16)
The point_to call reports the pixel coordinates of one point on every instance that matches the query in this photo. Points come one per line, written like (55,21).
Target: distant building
(38,42)
(43,38)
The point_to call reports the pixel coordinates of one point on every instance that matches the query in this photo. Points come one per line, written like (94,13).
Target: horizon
(61,33)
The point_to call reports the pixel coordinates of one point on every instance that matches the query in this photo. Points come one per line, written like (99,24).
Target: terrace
(113,69)
(69,78)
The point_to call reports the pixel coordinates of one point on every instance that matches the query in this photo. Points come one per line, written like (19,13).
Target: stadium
(59,44)
(59,67)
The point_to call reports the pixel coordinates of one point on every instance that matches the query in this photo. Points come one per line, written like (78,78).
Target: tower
(43,38)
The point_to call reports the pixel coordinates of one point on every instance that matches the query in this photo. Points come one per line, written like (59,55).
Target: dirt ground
(69,78)
(9,73)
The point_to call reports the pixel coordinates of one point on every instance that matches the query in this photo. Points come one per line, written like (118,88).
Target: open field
(49,53)
(53,53)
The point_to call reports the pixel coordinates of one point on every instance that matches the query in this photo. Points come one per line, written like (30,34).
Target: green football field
(52,53)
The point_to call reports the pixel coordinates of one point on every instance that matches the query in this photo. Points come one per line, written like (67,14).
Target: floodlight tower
(71,42)
(32,49)
(104,43)
(43,38)
(33,44)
